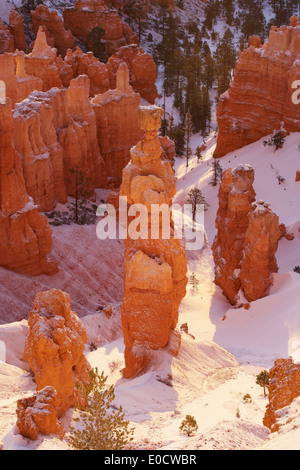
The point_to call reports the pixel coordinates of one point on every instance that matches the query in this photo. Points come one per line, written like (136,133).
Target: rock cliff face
(6,39)
(18,83)
(54,133)
(247,238)
(88,14)
(25,235)
(117,124)
(284,388)
(62,39)
(38,414)
(154,267)
(55,345)
(259,100)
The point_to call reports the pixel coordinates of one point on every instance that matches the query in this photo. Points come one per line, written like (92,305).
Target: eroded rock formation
(59,134)
(18,83)
(247,238)
(16,27)
(259,99)
(38,414)
(117,124)
(62,39)
(284,388)
(6,39)
(25,235)
(88,14)
(55,345)
(154,268)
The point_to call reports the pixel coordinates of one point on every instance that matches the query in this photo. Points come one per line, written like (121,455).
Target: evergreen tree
(188,134)
(199,154)
(217,172)
(103,428)
(179,140)
(95,44)
(197,202)
(225,58)
(263,379)
(189,426)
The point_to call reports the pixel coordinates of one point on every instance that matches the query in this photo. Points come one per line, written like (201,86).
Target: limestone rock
(88,14)
(38,414)
(117,124)
(16,27)
(18,83)
(260,245)
(284,388)
(259,99)
(6,39)
(55,346)
(25,235)
(154,268)
(63,39)
(236,195)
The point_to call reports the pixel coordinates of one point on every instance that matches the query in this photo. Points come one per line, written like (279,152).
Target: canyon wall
(259,99)
(154,267)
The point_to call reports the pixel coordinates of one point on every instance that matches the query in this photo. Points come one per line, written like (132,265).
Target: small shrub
(247,398)
(297,269)
(189,426)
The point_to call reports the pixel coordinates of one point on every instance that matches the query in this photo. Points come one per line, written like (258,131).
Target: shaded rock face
(38,414)
(25,235)
(262,83)
(62,39)
(154,269)
(16,27)
(18,83)
(247,238)
(284,388)
(117,124)
(6,39)
(88,14)
(55,345)
(55,132)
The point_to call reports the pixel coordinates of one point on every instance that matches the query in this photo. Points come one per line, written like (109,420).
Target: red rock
(154,269)
(63,39)
(38,415)
(55,345)
(25,235)
(284,388)
(17,82)
(260,245)
(168,147)
(88,14)
(236,195)
(297,176)
(16,27)
(142,70)
(262,83)
(117,124)
(41,62)
(6,39)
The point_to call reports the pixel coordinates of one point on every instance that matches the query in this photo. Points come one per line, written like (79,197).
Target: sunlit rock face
(25,235)
(155,268)
(247,238)
(54,347)
(88,14)
(259,99)
(38,414)
(62,39)
(284,388)
(117,124)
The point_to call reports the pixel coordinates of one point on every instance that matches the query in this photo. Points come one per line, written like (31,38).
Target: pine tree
(263,379)
(225,58)
(217,172)
(197,202)
(189,426)
(188,134)
(194,282)
(94,43)
(102,428)
(199,154)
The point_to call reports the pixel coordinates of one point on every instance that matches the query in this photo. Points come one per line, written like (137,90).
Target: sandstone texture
(284,388)
(88,14)
(62,38)
(247,238)
(38,414)
(16,27)
(154,268)
(25,235)
(117,124)
(259,99)
(55,345)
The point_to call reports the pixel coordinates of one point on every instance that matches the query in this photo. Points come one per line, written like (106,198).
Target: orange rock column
(155,268)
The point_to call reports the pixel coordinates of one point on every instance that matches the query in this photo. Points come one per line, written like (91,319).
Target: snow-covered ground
(220,355)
